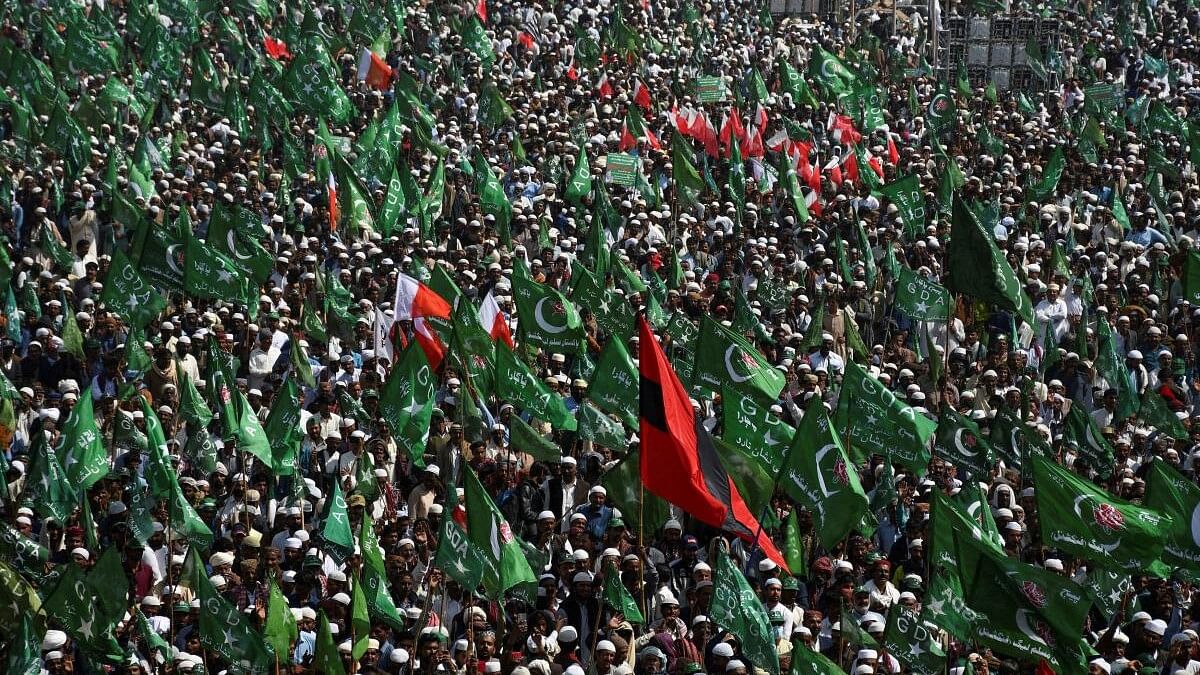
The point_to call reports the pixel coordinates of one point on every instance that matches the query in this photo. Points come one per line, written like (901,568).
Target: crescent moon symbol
(1196,525)
(1023,625)
(962,448)
(541,320)
(233,248)
(733,374)
(821,474)
(1075,505)
(171,259)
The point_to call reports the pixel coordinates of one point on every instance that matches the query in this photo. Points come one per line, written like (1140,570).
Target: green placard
(710,89)
(621,168)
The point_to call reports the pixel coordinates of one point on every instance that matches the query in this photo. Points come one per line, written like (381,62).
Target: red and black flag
(679,461)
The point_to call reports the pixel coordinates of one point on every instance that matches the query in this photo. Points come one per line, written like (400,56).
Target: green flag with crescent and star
(725,358)
(1079,518)
(818,474)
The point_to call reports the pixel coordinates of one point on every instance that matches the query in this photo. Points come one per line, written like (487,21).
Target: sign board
(622,168)
(710,89)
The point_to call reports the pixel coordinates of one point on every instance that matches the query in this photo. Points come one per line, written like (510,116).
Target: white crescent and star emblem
(733,373)
(541,319)
(171,259)
(229,239)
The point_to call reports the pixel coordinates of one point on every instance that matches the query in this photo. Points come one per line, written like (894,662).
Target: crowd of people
(224,221)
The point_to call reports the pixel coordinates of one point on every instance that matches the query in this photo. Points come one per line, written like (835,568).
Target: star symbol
(604,305)
(1115,595)
(224,276)
(86,628)
(769,440)
(308,88)
(872,419)
(460,566)
(935,607)
(132,303)
(229,639)
(921,308)
(915,650)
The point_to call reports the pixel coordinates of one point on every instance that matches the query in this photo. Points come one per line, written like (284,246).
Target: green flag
(1055,598)
(47,487)
(613,387)
(459,557)
(209,274)
(407,401)
(524,438)
(1051,174)
(517,383)
(977,268)
(941,114)
(725,358)
(374,577)
(489,531)
(75,606)
(24,645)
(231,232)
(326,658)
(920,298)
(1079,430)
(130,295)
(1155,413)
(612,311)
(580,185)
(475,38)
(618,597)
(960,442)
(335,525)
(819,476)
(1190,277)
(641,510)
(81,445)
(280,629)
(547,319)
(1081,519)
(283,428)
(808,662)
(1171,493)
(832,73)
(192,407)
(311,84)
(596,426)
(914,642)
(360,621)
(735,608)
(787,173)
(877,422)
(793,547)
(755,429)
(1111,366)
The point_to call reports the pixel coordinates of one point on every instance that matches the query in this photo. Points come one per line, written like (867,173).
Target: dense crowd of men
(427,249)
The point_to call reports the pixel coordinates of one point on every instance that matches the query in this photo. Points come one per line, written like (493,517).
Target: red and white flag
(430,343)
(414,299)
(494,321)
(603,88)
(641,95)
(334,213)
(374,70)
(276,49)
